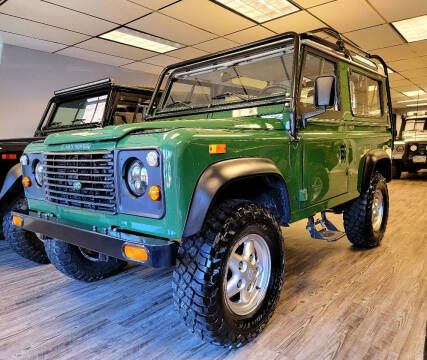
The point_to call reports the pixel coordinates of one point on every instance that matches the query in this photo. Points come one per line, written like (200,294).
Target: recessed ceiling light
(414,93)
(260,10)
(414,105)
(141,40)
(413,29)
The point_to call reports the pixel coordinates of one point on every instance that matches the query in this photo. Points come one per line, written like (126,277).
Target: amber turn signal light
(135,253)
(17,220)
(26,182)
(154,192)
(217,148)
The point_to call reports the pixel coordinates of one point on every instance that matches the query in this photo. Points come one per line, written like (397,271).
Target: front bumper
(110,242)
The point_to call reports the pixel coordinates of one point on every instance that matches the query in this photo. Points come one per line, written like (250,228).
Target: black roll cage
(338,46)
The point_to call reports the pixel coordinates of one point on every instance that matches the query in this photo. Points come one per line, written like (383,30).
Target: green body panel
(316,174)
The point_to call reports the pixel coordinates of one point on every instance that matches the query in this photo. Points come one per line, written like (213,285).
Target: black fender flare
(12,177)
(215,177)
(372,158)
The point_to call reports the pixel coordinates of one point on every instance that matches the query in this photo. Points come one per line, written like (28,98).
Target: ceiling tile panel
(94,56)
(162,60)
(395,76)
(415,74)
(375,37)
(51,14)
(39,31)
(347,15)
(216,45)
(187,53)
(208,16)
(252,34)
(299,22)
(394,10)
(153,4)
(408,64)
(310,3)
(116,49)
(144,67)
(119,11)
(400,82)
(171,29)
(419,47)
(405,88)
(395,53)
(29,43)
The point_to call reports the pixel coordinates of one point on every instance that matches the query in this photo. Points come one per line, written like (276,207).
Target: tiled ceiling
(73,28)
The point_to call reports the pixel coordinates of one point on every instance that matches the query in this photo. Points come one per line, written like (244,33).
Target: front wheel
(365,218)
(228,278)
(79,263)
(25,243)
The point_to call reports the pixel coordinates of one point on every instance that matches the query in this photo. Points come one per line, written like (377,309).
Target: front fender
(13,176)
(214,178)
(374,159)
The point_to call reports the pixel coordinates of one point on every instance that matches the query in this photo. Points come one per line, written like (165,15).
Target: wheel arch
(374,160)
(11,183)
(239,178)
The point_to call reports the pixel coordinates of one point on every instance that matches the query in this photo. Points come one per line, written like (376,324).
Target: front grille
(81,180)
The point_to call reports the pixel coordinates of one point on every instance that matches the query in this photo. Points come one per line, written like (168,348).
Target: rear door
(324,152)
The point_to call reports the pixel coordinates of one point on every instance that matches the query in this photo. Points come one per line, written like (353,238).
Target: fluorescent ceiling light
(141,40)
(413,29)
(260,10)
(413,105)
(405,101)
(414,93)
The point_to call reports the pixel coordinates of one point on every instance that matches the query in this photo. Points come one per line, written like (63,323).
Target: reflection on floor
(337,302)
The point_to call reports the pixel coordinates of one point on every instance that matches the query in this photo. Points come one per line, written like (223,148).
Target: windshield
(416,125)
(255,75)
(77,112)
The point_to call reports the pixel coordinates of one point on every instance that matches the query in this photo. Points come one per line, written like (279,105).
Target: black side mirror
(324,97)
(324,91)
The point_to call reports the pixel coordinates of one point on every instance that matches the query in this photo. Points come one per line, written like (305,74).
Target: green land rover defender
(241,143)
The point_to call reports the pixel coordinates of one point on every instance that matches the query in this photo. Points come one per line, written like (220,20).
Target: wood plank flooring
(337,302)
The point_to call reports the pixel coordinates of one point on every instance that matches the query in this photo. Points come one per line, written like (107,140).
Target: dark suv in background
(92,105)
(410,150)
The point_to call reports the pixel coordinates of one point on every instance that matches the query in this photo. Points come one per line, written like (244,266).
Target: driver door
(324,151)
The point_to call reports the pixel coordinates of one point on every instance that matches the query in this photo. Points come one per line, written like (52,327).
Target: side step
(323,229)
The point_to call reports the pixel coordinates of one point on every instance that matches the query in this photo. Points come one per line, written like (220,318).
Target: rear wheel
(79,263)
(25,243)
(365,218)
(228,278)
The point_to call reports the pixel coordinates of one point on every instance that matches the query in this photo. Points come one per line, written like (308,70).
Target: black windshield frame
(275,42)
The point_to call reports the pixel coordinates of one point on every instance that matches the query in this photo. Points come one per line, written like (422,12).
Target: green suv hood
(120,131)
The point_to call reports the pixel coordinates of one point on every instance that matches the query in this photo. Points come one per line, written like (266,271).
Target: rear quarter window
(365,95)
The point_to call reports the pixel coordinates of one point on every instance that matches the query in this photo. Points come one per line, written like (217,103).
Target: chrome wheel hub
(377,210)
(247,275)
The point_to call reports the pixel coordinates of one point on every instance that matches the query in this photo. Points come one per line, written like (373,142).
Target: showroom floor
(337,303)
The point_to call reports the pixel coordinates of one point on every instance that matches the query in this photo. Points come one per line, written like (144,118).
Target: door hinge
(303,195)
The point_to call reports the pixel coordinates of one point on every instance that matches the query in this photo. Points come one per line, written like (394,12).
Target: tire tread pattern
(198,271)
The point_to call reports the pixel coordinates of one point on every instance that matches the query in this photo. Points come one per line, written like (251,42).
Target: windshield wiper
(229,93)
(185,103)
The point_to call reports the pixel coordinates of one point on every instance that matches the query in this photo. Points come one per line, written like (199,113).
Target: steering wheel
(269,87)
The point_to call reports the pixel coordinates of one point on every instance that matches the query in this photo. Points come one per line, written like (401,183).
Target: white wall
(28,79)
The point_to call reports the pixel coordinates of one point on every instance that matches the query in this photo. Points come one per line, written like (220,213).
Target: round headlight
(413,147)
(400,148)
(137,178)
(38,173)
(152,158)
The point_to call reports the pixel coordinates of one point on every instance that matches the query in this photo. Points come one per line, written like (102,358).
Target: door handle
(343,151)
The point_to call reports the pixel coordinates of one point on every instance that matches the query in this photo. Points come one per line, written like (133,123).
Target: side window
(130,109)
(313,67)
(365,95)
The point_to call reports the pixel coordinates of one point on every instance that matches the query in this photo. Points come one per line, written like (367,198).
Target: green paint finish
(321,170)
